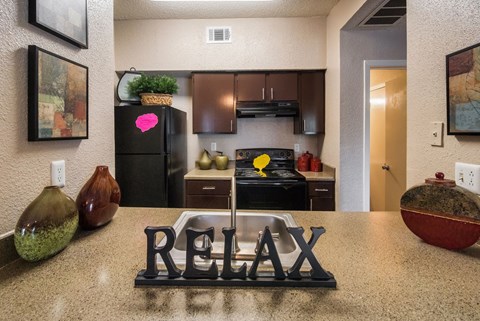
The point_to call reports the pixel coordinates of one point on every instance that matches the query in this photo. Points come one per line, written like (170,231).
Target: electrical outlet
(213,147)
(468,176)
(58,173)
(296,147)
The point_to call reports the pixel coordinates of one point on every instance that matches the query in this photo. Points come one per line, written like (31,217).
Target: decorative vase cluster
(50,221)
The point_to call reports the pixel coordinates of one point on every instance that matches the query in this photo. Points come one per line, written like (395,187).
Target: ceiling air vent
(219,34)
(387,14)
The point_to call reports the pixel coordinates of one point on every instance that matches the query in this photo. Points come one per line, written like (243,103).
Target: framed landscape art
(463,91)
(64,19)
(57,97)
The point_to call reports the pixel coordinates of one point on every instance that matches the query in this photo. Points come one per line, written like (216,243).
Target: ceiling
(146,9)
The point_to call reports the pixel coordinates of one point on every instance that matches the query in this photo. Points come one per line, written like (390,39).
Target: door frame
(367,66)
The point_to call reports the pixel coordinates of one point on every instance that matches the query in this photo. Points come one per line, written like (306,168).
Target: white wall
(272,43)
(455,25)
(261,43)
(357,46)
(25,166)
(337,18)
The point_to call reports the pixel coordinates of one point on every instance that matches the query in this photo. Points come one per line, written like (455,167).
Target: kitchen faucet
(233,215)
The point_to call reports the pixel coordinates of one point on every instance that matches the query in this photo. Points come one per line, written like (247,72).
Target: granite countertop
(210,174)
(383,272)
(328,174)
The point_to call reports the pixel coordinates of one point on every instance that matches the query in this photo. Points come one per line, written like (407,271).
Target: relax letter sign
(211,276)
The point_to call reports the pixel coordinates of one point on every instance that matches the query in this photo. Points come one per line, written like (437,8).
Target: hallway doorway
(385,136)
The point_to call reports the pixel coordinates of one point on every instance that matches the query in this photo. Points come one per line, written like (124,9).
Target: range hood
(261,109)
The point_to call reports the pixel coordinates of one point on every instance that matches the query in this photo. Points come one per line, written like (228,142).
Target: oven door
(271,195)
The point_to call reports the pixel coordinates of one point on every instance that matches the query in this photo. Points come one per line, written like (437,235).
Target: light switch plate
(436,134)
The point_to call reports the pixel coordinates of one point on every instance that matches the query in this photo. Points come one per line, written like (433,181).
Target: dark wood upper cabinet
(251,87)
(267,87)
(311,119)
(282,86)
(213,103)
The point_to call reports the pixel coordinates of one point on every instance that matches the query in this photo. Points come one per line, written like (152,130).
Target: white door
(388,138)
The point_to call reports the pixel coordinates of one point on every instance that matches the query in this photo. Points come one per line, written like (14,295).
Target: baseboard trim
(8,253)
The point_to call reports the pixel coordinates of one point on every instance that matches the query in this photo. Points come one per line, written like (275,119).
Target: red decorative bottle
(98,199)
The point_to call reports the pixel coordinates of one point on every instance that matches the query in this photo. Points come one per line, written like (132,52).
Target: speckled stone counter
(213,174)
(327,174)
(383,271)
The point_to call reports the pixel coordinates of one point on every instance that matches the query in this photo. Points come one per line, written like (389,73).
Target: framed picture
(463,91)
(64,19)
(57,97)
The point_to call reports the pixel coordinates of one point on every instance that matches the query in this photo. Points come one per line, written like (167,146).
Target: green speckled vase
(46,226)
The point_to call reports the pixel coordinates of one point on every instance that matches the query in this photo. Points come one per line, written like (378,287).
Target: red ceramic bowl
(449,233)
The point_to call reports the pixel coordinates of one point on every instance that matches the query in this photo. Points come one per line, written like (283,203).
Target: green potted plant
(153,89)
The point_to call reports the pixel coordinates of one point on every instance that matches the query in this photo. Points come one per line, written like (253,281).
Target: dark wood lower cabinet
(321,195)
(208,194)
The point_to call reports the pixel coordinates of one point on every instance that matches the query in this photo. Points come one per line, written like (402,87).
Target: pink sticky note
(146,122)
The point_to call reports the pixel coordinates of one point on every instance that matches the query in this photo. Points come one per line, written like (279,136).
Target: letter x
(317,271)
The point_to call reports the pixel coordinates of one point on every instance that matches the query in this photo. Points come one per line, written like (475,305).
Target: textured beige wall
(455,25)
(337,18)
(25,166)
(274,43)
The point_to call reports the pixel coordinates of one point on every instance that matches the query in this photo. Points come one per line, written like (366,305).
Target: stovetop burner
(281,166)
(278,173)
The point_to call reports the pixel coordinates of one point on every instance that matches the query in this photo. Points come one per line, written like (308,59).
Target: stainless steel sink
(249,224)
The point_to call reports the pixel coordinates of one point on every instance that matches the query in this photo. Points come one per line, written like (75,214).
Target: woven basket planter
(156,99)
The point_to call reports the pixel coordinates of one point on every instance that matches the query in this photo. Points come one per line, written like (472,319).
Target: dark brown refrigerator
(150,155)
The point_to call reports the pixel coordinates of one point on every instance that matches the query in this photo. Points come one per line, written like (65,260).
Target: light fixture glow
(377,101)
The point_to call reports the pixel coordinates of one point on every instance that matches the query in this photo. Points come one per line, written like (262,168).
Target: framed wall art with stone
(463,91)
(57,97)
(64,19)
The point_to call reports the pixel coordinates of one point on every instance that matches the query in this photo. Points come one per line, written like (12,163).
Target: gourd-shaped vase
(46,226)
(98,199)
(205,161)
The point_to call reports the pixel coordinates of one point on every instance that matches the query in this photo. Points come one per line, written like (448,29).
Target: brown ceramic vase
(98,199)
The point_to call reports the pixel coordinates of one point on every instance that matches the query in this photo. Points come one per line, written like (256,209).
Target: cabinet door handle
(263,93)
(304,125)
(271,93)
(208,188)
(228,204)
(311,204)
(231,125)
(321,190)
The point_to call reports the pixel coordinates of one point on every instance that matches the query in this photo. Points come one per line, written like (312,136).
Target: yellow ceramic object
(260,163)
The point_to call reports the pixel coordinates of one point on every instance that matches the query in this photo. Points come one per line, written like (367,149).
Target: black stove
(281,166)
(250,173)
(277,187)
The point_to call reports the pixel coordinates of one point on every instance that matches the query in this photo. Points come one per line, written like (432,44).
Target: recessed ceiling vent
(387,14)
(219,34)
